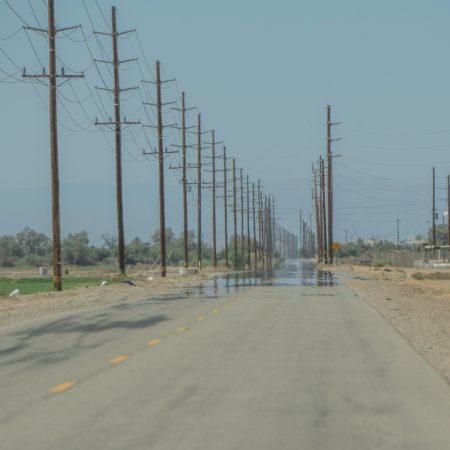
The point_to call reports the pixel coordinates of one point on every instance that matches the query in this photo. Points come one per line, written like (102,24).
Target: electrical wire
(11,35)
(15,12)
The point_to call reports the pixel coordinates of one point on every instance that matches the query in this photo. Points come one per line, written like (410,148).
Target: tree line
(33,249)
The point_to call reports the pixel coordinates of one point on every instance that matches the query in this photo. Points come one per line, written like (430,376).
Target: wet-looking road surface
(285,360)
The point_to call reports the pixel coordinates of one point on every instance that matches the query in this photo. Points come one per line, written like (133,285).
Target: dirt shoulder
(44,304)
(418,309)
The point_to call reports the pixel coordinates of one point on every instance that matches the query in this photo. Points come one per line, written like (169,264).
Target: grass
(45,284)
(379,264)
(431,276)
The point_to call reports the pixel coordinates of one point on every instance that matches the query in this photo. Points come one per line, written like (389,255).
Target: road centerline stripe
(118,359)
(59,388)
(154,342)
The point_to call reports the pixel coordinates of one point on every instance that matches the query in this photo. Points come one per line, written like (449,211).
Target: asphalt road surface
(290,362)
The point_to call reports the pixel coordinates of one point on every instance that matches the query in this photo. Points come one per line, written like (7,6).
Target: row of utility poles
(322,194)
(307,240)
(253,247)
(434,214)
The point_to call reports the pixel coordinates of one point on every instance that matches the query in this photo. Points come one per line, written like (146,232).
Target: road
(290,363)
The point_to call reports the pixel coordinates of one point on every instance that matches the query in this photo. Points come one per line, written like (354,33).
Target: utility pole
(199,192)
(214,236)
(183,167)
(255,247)
(260,226)
(398,234)
(330,188)
(242,221)
(225,203)
(235,263)
(52,77)
(448,209)
(162,204)
(318,211)
(160,153)
(213,186)
(330,183)
(434,207)
(346,236)
(184,181)
(268,228)
(117,124)
(249,257)
(301,234)
(274,226)
(324,215)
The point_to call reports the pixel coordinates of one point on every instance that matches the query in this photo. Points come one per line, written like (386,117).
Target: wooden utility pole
(242,221)
(160,152)
(183,167)
(330,183)
(318,215)
(255,246)
(235,263)
(162,204)
(225,203)
(398,234)
(199,192)
(263,228)
(184,180)
(324,214)
(214,235)
(260,222)
(52,77)
(301,234)
(117,124)
(434,207)
(274,226)
(330,187)
(448,209)
(249,258)
(118,136)
(56,224)
(268,229)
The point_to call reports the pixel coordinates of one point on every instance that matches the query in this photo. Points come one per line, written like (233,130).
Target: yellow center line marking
(216,311)
(154,342)
(58,389)
(119,359)
(182,329)
(199,319)
(226,306)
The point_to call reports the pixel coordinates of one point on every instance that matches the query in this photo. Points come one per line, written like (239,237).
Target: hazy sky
(261,74)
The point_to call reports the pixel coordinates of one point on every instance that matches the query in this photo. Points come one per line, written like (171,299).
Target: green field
(44,284)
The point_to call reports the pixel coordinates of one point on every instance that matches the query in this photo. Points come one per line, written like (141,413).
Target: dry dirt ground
(43,304)
(419,310)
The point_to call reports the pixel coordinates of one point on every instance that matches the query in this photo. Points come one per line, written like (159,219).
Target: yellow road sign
(336,246)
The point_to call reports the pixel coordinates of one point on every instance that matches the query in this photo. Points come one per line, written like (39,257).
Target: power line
(15,12)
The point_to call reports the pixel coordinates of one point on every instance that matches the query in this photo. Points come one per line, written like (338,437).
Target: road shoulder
(418,309)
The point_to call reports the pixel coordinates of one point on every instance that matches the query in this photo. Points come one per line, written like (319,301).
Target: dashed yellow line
(118,359)
(182,329)
(154,342)
(58,389)
(216,311)
(226,306)
(201,318)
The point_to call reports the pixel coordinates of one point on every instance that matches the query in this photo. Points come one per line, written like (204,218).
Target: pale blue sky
(262,74)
